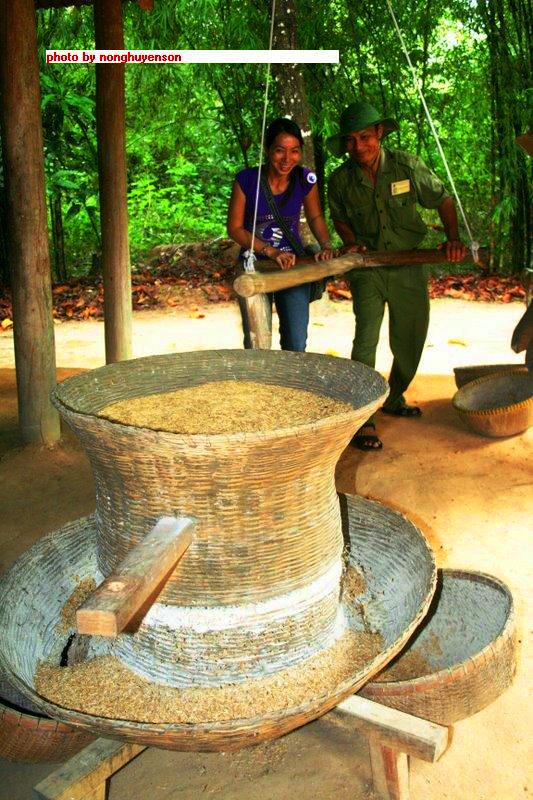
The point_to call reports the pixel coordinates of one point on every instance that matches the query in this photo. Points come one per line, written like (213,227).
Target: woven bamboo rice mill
(219,561)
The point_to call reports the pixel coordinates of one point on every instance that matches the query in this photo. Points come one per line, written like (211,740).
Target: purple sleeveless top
(266,227)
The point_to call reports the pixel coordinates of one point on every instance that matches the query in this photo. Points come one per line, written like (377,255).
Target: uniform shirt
(384,216)
(266,227)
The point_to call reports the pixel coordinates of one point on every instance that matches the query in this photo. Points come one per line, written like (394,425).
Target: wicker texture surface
(400,575)
(251,492)
(464,375)
(469,639)
(269,525)
(29,738)
(497,405)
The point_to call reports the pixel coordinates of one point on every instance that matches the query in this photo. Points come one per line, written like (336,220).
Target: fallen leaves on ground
(467,286)
(181,276)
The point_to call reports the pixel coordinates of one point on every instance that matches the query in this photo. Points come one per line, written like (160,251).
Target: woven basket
(269,527)
(464,375)
(468,639)
(400,575)
(497,405)
(31,738)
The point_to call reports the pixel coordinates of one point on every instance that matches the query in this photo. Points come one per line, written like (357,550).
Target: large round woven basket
(393,555)
(497,405)
(464,375)
(267,547)
(467,643)
(34,738)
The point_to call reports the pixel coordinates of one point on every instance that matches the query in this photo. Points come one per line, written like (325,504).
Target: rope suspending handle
(249,256)
(474,246)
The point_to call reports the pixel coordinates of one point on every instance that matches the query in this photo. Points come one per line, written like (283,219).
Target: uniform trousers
(405,290)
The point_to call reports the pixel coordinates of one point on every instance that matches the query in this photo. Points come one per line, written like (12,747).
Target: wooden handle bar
(271,278)
(115,601)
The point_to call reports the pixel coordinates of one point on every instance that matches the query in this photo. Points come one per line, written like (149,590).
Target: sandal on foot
(366,441)
(403,411)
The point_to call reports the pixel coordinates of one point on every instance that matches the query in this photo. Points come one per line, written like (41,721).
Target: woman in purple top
(292,186)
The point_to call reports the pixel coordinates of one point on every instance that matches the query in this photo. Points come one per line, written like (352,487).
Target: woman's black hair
(282,125)
(286,125)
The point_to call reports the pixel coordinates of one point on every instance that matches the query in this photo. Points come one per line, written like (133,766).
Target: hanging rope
(249,256)
(474,246)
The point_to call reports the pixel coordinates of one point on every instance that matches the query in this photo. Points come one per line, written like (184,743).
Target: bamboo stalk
(272,279)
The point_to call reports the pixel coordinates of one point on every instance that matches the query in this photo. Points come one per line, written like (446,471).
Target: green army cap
(357,117)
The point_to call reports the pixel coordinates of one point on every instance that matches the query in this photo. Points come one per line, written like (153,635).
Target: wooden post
(27,235)
(390,771)
(111,134)
(259,316)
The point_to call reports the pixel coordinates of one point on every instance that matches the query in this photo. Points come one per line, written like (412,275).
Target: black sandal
(366,441)
(403,411)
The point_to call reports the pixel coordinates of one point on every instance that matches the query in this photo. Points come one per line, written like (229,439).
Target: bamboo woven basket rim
(495,369)
(214,438)
(492,412)
(42,722)
(250,727)
(469,663)
(30,738)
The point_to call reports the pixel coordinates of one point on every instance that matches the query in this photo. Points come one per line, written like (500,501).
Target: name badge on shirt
(400,187)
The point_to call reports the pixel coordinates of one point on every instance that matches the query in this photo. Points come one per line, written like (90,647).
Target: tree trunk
(291,98)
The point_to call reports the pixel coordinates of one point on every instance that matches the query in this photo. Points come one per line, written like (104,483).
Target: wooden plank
(123,592)
(27,234)
(111,140)
(390,771)
(83,776)
(416,737)
(266,279)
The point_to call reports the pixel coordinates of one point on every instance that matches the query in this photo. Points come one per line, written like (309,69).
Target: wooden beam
(83,776)
(27,234)
(107,611)
(111,135)
(396,729)
(269,278)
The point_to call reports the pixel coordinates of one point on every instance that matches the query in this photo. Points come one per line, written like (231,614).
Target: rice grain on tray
(106,688)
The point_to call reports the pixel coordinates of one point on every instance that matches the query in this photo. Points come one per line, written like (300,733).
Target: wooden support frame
(392,736)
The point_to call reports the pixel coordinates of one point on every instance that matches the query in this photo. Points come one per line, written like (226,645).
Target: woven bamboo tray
(464,375)
(497,405)
(32,738)
(469,639)
(400,575)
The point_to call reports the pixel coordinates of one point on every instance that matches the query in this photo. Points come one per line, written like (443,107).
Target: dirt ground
(471,496)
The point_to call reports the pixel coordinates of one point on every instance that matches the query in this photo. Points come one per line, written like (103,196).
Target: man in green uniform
(372,199)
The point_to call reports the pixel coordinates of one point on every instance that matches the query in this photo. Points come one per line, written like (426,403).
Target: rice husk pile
(67,616)
(224,407)
(413,663)
(106,688)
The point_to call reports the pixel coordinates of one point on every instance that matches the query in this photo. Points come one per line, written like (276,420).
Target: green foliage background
(191,127)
